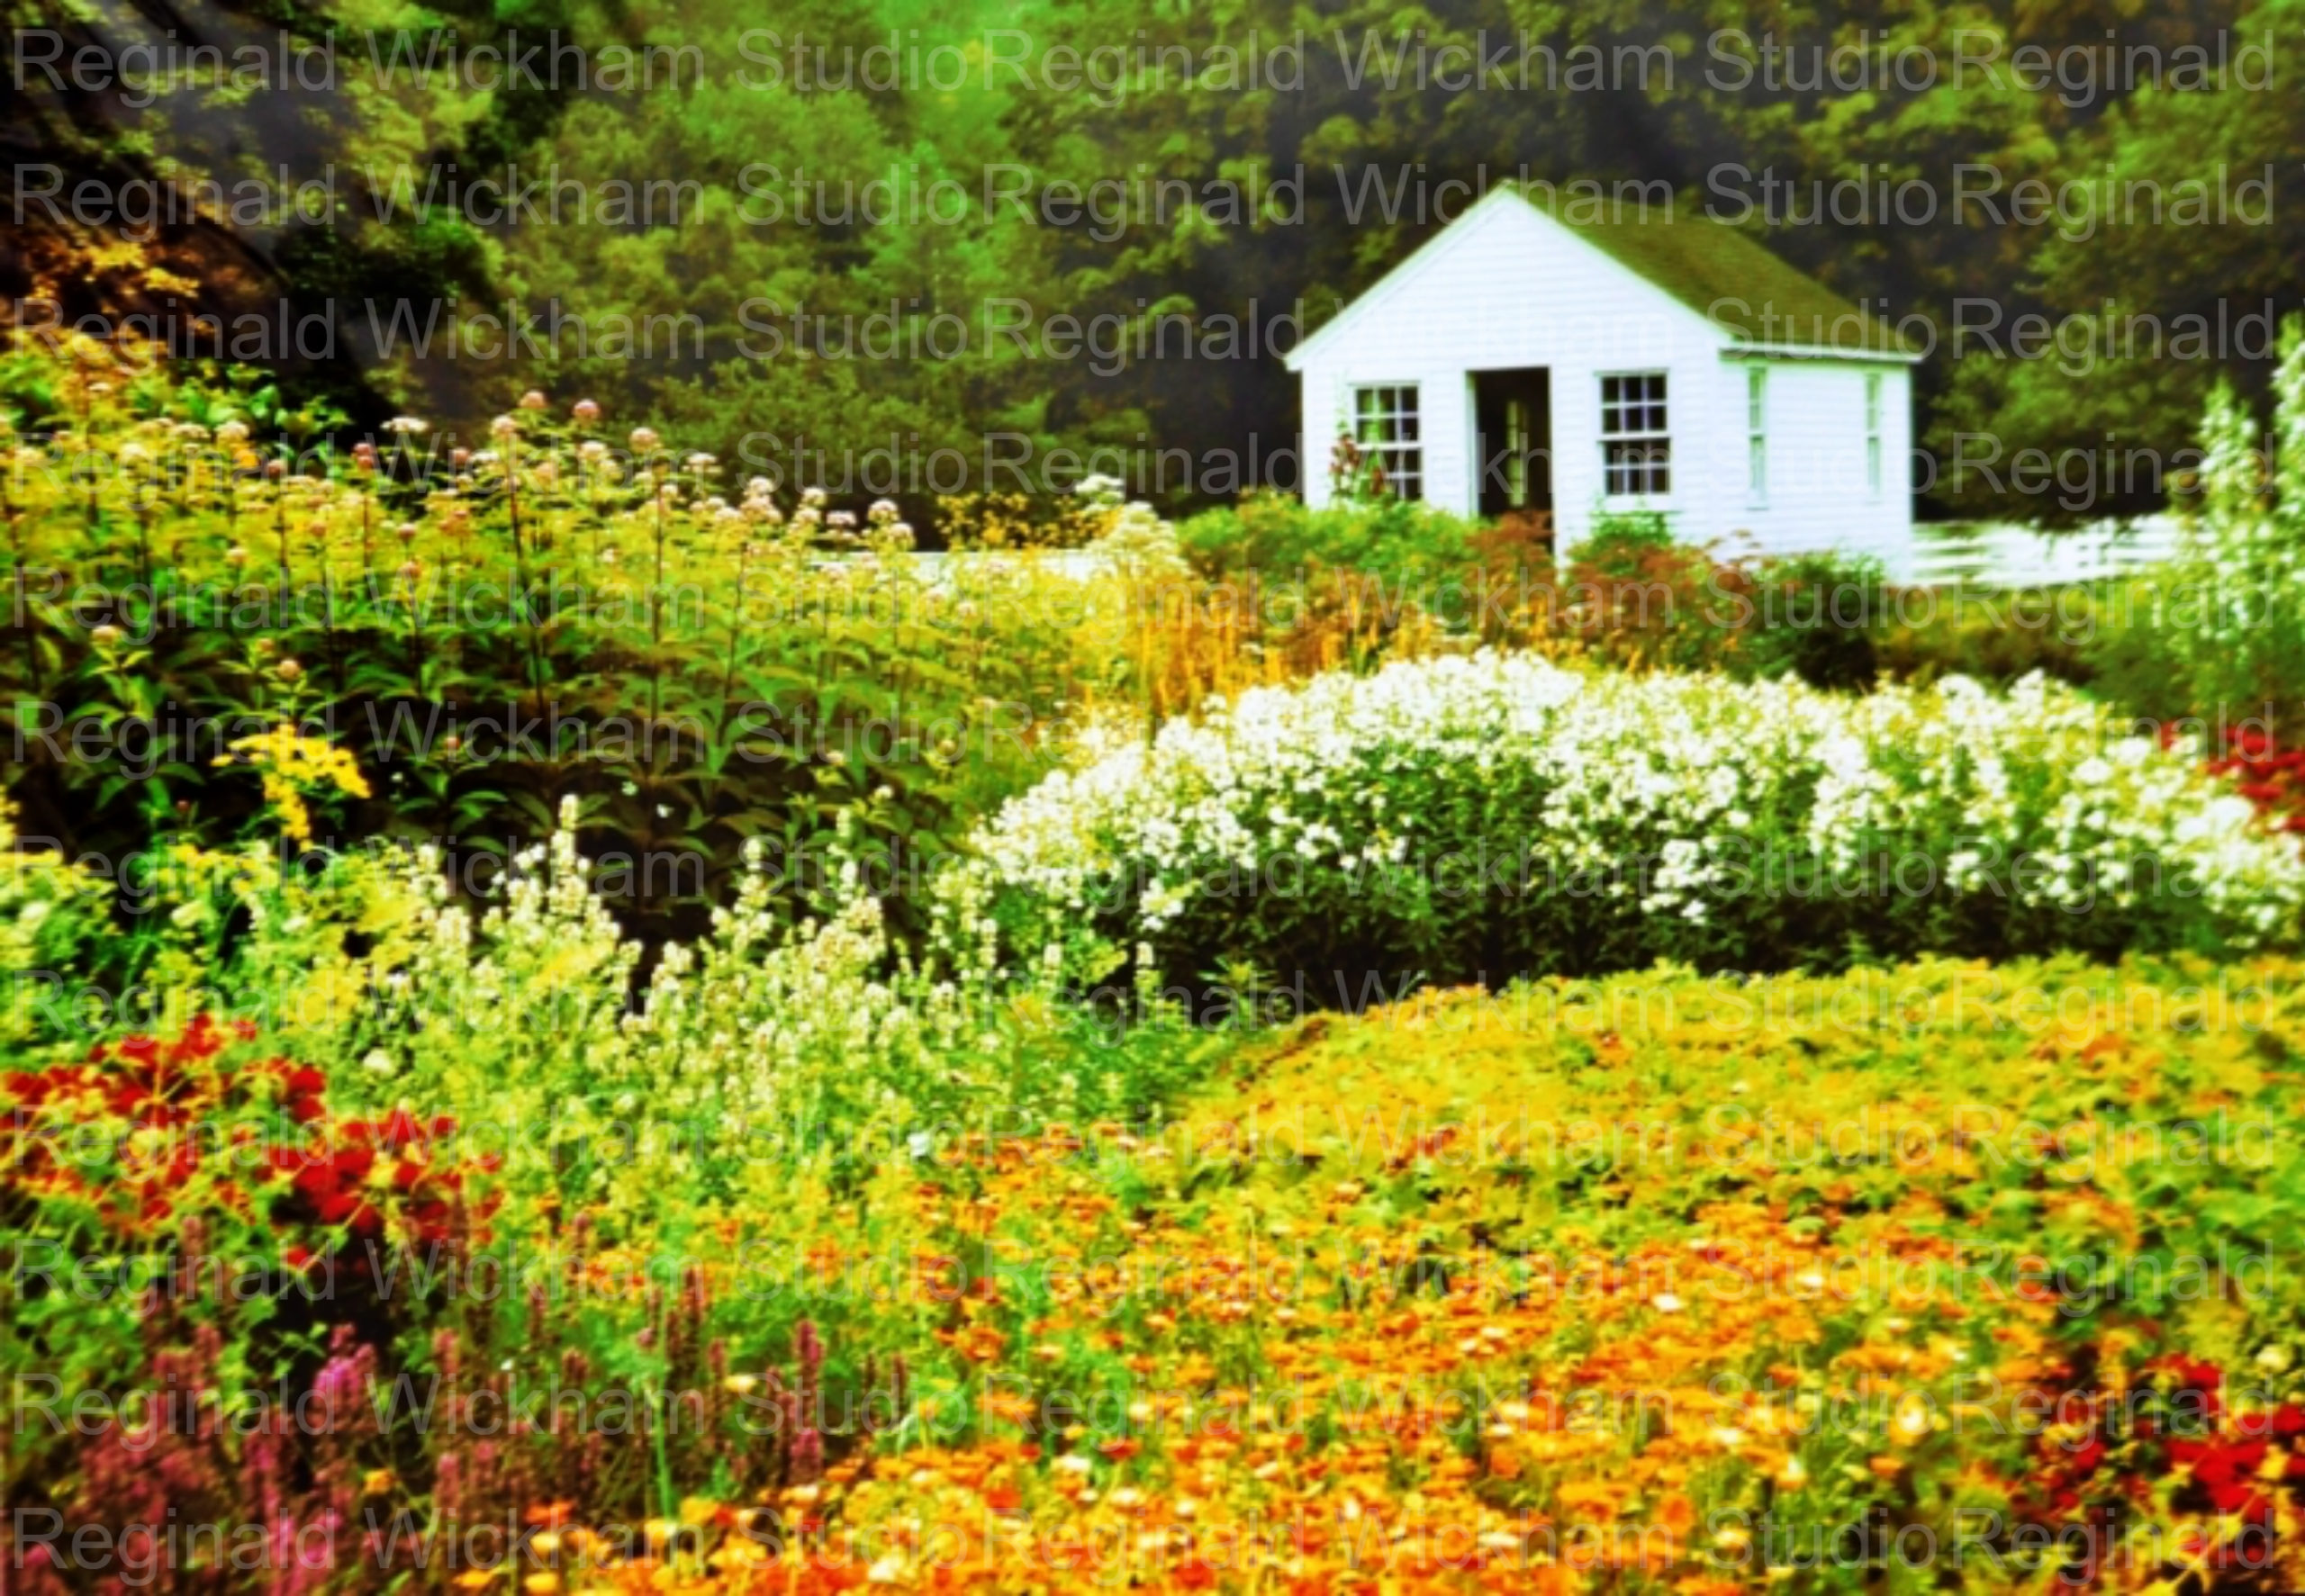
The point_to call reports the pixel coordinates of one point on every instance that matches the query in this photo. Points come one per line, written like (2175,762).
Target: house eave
(1737,349)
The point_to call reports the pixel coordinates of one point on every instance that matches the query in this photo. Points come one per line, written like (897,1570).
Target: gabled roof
(1719,272)
(1748,294)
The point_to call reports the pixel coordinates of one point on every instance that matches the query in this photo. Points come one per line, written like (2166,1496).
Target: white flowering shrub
(1476,818)
(1137,544)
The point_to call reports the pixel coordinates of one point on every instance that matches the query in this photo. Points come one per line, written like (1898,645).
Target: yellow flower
(291,764)
(1913,1419)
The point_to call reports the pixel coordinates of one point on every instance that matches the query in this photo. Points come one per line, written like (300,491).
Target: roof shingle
(1719,272)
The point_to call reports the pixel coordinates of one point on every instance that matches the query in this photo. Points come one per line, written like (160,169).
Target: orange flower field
(1808,1282)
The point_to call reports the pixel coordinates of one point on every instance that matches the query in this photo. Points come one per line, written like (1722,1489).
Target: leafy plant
(1817,615)
(484,632)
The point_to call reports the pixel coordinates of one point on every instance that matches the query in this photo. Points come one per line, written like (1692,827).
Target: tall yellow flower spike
(290,763)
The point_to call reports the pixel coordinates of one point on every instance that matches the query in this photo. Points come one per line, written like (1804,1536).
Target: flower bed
(242,1308)
(2269,776)
(1654,1282)
(1479,818)
(1660,1283)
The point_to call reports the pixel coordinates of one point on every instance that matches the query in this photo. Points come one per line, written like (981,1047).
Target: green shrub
(1635,592)
(2134,659)
(1632,595)
(1274,534)
(1624,545)
(1995,634)
(1817,615)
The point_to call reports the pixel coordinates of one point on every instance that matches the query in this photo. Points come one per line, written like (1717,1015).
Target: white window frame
(1647,437)
(1756,435)
(1402,459)
(1875,383)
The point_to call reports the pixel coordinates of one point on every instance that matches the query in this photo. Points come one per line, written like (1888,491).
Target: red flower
(200,1042)
(322,1177)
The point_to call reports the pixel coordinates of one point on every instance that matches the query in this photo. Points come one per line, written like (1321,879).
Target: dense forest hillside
(846,235)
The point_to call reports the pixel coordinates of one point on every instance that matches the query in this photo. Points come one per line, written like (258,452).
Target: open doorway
(1513,421)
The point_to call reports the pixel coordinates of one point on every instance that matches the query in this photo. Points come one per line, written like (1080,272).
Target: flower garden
(577,1026)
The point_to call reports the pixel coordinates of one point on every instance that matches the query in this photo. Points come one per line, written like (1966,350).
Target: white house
(1649,360)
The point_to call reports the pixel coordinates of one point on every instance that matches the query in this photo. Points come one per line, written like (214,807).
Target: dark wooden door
(1513,420)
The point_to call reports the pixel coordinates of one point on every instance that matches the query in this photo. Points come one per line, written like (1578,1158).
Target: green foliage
(1624,545)
(2135,658)
(1396,541)
(2000,636)
(2162,282)
(571,613)
(2246,553)
(1634,593)
(2218,634)
(1817,615)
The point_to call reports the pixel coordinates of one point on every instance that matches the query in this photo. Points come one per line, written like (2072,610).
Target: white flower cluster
(770,1042)
(1139,545)
(1609,797)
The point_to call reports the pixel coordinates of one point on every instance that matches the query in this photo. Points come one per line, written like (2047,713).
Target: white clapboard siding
(1819,491)
(1508,287)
